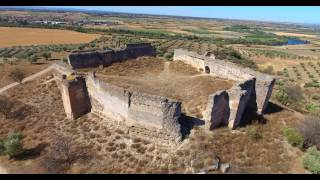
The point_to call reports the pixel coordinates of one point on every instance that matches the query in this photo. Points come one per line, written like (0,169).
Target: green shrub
(293,137)
(313,107)
(168,55)
(282,96)
(17,75)
(316,97)
(2,149)
(12,144)
(311,160)
(253,134)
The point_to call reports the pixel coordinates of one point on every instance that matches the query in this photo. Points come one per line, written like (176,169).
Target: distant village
(54,21)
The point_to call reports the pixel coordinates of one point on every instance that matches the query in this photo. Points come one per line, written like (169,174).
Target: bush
(313,107)
(168,55)
(316,97)
(46,55)
(17,75)
(293,137)
(295,93)
(311,160)
(65,60)
(253,134)
(33,59)
(11,145)
(282,96)
(268,70)
(63,154)
(6,107)
(2,148)
(310,128)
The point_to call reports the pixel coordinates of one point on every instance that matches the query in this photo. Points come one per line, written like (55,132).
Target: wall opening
(207,70)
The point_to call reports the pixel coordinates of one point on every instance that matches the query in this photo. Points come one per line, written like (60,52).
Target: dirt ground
(115,150)
(27,68)
(175,80)
(11,36)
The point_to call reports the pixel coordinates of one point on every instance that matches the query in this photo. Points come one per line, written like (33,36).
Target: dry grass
(294,34)
(26,67)
(115,151)
(11,36)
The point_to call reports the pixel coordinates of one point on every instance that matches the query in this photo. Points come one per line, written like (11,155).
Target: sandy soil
(11,36)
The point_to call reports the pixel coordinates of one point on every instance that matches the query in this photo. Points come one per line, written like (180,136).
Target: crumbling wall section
(107,57)
(75,97)
(227,107)
(134,108)
(108,100)
(239,96)
(263,82)
(218,110)
(191,58)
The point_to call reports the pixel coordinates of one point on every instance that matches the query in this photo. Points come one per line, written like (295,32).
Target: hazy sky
(298,14)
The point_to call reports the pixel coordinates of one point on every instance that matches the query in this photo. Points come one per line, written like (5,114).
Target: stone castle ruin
(251,91)
(87,93)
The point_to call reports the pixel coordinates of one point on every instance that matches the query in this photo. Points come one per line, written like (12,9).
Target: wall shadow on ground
(188,123)
(31,153)
(249,117)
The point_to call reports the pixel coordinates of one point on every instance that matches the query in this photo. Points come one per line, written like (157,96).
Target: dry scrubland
(115,149)
(27,68)
(10,36)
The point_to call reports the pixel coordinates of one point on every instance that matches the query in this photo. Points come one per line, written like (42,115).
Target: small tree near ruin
(17,75)
(6,107)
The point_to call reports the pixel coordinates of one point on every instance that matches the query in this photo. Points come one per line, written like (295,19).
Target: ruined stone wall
(251,91)
(227,107)
(133,108)
(107,57)
(263,82)
(75,97)
(216,67)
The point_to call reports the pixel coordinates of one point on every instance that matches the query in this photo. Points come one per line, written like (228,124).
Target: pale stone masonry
(86,93)
(252,90)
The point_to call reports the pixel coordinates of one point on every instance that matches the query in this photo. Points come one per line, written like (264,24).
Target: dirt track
(29,78)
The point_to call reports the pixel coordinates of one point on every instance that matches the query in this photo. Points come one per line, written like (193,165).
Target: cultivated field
(10,36)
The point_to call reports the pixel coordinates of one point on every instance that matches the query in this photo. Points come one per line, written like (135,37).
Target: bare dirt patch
(25,67)
(175,80)
(11,36)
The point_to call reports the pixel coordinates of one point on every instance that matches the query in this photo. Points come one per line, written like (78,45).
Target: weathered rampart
(133,108)
(74,96)
(252,90)
(107,57)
